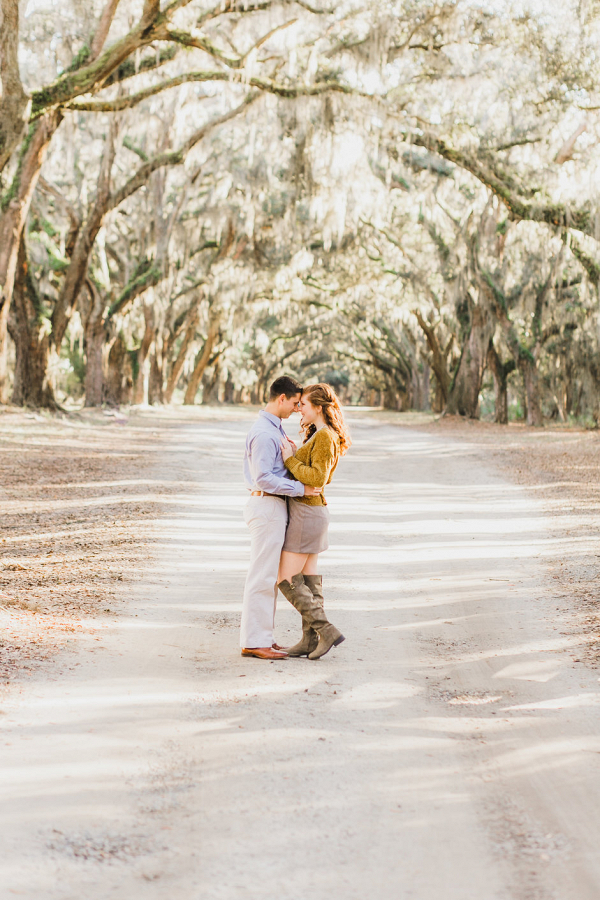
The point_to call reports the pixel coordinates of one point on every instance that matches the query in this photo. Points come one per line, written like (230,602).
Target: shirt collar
(275,420)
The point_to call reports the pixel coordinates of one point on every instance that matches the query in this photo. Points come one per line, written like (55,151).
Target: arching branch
(263,84)
(174,157)
(103,28)
(202,42)
(516,198)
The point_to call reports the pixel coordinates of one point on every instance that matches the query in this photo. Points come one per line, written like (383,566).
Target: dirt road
(450,748)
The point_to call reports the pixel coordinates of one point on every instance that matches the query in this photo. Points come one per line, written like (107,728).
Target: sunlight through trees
(397,197)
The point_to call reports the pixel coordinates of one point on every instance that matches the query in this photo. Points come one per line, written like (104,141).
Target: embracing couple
(288,517)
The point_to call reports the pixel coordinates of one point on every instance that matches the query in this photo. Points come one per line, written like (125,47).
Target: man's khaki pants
(266,517)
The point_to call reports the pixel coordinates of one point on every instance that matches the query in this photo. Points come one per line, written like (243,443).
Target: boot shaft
(299,594)
(302,594)
(315,584)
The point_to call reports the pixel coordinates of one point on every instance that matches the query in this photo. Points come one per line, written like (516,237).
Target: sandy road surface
(449,749)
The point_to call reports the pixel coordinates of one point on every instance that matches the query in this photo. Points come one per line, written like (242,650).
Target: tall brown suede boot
(301,597)
(315,583)
(307,643)
(309,639)
(329,636)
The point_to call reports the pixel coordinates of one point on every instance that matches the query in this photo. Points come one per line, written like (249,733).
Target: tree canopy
(396,197)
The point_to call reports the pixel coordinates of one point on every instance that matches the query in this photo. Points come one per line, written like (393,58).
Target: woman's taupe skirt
(307,528)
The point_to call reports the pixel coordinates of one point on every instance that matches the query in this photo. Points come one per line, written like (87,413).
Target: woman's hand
(287,449)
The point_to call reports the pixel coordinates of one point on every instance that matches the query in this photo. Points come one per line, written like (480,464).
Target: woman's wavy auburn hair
(324,396)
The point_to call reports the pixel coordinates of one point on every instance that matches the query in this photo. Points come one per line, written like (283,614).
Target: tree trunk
(420,387)
(463,399)
(390,398)
(140,394)
(438,403)
(228,389)
(94,370)
(201,363)
(78,267)
(4,310)
(14,102)
(181,356)
(118,378)
(439,362)
(211,385)
(12,220)
(531,382)
(155,383)
(500,386)
(95,336)
(500,372)
(28,330)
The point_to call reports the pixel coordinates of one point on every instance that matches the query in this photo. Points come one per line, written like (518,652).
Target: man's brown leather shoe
(277,647)
(264,653)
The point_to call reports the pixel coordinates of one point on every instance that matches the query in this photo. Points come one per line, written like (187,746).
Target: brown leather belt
(265,494)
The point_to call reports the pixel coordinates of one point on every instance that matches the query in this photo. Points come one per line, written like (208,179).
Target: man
(269,484)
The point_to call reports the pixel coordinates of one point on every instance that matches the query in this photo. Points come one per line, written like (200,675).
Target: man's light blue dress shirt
(263,466)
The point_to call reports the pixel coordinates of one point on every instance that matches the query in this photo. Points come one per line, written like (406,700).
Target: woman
(326,438)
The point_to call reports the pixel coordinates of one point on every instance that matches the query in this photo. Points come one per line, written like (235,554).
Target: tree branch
(14,101)
(115,63)
(174,157)
(566,151)
(591,266)
(438,360)
(244,7)
(518,142)
(131,100)
(505,187)
(152,26)
(149,13)
(175,5)
(147,275)
(130,68)
(103,28)
(71,212)
(263,84)
(187,289)
(202,42)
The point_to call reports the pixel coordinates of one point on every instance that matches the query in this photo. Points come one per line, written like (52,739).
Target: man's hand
(286,449)
(310,491)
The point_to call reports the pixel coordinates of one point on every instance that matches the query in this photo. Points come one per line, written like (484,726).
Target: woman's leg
(290,564)
(314,583)
(291,584)
(311,566)
(294,584)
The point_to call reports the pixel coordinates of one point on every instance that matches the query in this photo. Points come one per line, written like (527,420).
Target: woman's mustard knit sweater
(314,463)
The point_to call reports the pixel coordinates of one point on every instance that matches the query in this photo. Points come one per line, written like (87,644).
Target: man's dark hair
(284,385)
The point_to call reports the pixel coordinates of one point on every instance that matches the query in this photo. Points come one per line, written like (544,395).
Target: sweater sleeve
(322,460)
